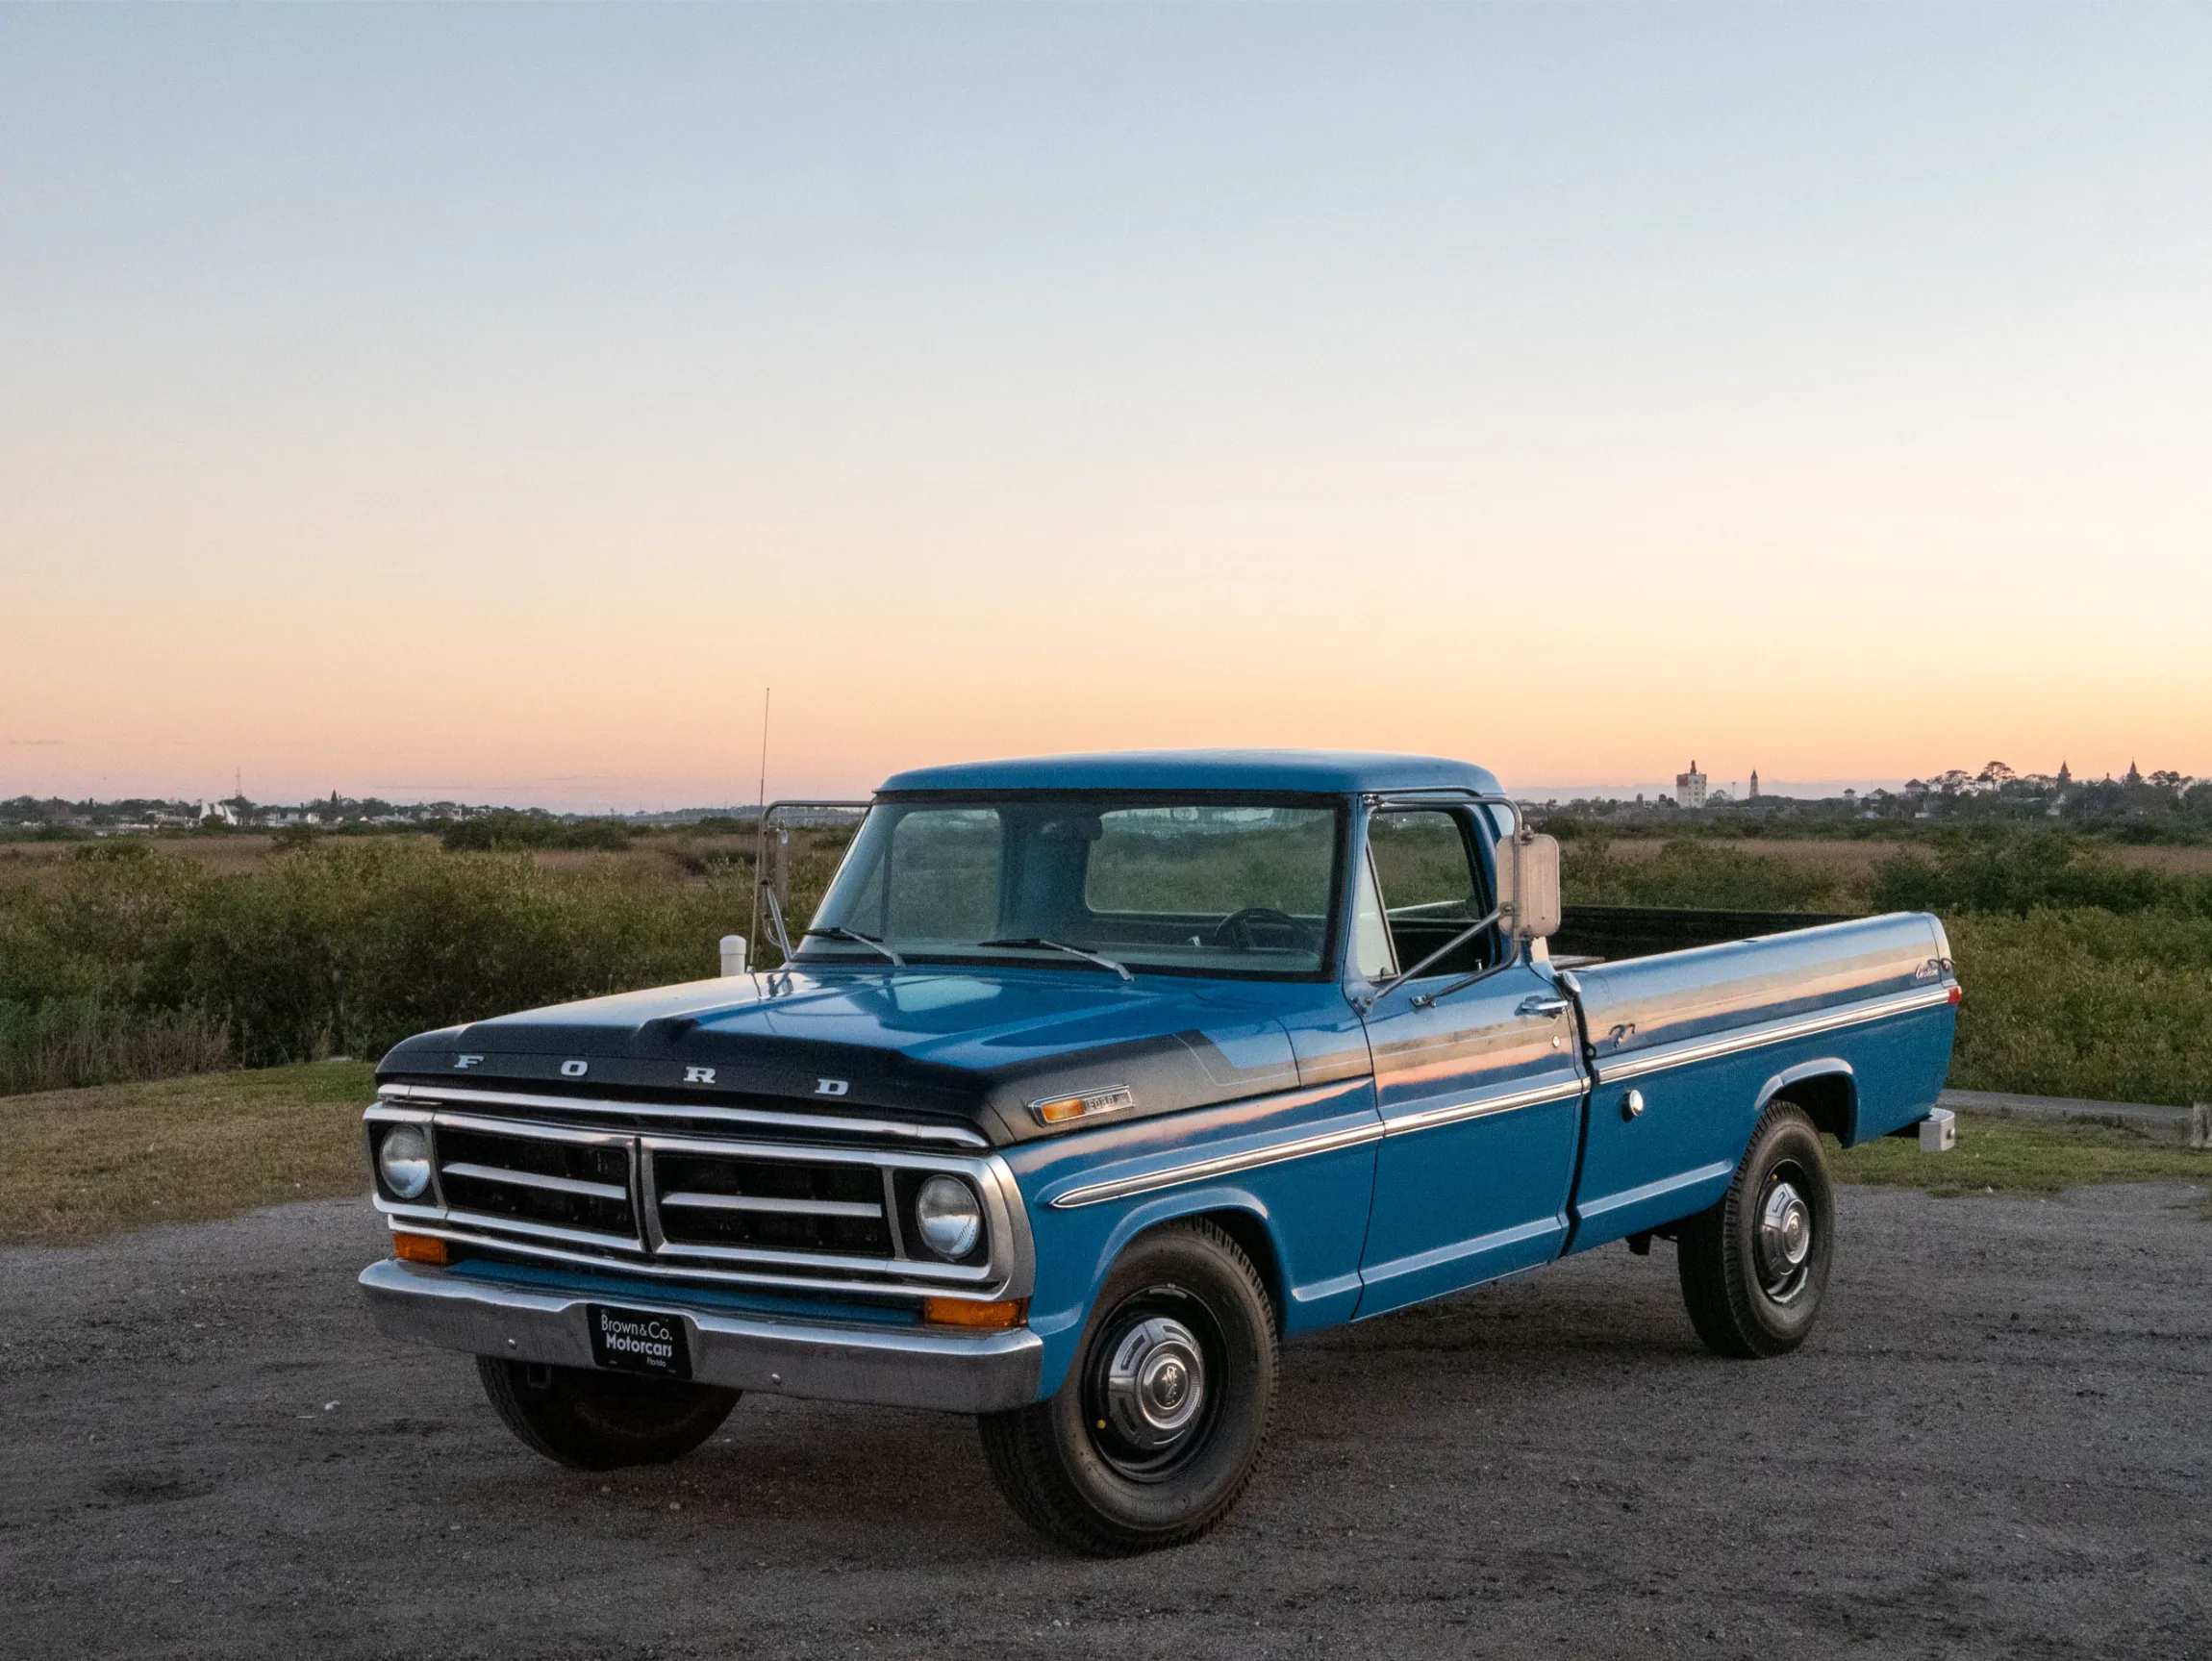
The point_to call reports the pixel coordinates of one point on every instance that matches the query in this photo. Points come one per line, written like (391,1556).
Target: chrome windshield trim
(958,1136)
(1693,1050)
(1226,1165)
(1482,1107)
(533,1179)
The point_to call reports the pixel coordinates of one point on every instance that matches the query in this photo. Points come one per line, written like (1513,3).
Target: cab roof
(1317,772)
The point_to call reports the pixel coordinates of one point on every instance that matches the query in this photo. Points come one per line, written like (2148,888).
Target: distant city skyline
(406,797)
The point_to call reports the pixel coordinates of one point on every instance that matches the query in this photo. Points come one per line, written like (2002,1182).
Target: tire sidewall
(593,1421)
(1787,1137)
(1211,1480)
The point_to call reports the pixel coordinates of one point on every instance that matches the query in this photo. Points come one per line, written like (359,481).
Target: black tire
(1152,1451)
(593,1421)
(1754,1266)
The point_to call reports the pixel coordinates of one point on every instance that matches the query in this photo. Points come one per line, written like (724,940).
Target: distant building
(1690,787)
(1754,796)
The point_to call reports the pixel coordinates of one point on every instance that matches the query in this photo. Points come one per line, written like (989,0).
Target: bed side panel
(1704,1038)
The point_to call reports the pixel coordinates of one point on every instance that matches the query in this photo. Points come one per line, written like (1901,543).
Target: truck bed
(1599,933)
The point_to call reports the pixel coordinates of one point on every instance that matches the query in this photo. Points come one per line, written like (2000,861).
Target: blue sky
(490,400)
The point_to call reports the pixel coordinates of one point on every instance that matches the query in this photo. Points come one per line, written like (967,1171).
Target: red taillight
(1957,994)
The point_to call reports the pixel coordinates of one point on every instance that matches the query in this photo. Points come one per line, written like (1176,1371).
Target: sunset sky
(487,403)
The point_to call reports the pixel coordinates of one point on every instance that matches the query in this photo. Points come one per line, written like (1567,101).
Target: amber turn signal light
(418,1249)
(1060,1109)
(961,1312)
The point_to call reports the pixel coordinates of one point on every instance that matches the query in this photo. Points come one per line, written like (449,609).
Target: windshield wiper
(1038,939)
(853,934)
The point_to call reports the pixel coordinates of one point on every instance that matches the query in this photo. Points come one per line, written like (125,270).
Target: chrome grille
(789,1204)
(697,1205)
(537,1176)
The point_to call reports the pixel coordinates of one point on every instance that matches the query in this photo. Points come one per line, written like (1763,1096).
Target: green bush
(2085,1004)
(1700,874)
(336,947)
(508,829)
(2024,871)
(2083,976)
(69,1042)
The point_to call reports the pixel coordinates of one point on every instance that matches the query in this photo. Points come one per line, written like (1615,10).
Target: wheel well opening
(1826,1100)
(1252,1238)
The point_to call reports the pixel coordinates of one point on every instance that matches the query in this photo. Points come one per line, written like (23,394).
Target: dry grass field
(76,1165)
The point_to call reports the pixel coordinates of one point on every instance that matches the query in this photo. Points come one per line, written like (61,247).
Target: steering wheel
(1236,929)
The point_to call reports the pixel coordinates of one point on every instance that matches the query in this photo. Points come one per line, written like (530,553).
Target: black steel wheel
(593,1420)
(1755,1265)
(1161,1422)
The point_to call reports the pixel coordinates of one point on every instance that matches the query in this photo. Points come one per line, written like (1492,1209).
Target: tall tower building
(1690,787)
(1754,796)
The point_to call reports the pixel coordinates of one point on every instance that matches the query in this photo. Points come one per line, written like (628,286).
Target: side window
(1431,887)
(1370,933)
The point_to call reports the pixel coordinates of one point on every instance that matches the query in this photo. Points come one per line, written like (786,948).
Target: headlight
(949,1216)
(403,1161)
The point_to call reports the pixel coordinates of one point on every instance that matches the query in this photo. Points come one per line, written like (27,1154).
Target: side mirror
(1528,885)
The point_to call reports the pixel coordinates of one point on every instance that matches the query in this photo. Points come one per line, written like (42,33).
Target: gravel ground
(1997,1444)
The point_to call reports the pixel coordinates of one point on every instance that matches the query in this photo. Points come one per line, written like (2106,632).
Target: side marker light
(1060,1109)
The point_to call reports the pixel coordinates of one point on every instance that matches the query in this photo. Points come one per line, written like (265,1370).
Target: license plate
(638,1340)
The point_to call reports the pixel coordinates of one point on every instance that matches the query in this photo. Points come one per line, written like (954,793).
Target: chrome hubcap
(1155,1383)
(1785,1241)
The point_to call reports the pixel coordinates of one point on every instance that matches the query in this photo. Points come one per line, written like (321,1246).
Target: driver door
(1480,1092)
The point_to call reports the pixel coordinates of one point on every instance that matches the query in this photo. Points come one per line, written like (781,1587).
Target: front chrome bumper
(895,1367)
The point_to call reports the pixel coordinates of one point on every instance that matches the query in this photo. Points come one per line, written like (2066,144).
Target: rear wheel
(594,1420)
(1160,1423)
(1754,1266)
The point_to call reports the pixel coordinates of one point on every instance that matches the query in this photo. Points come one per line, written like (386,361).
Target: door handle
(1537,1003)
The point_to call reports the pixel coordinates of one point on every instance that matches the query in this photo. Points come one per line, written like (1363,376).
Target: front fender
(1310,1208)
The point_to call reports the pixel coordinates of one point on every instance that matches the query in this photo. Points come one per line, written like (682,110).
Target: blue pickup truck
(1095,1078)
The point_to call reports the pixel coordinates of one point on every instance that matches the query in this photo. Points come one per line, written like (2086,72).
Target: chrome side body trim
(1226,1164)
(813,1124)
(891,1366)
(1695,1050)
(1482,1107)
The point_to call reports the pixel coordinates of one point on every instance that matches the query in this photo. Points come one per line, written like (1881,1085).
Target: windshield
(1243,888)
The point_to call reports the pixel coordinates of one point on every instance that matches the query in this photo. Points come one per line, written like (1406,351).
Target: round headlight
(949,1216)
(403,1161)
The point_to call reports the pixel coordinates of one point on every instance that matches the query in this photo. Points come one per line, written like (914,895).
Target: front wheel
(1161,1422)
(593,1421)
(1754,1266)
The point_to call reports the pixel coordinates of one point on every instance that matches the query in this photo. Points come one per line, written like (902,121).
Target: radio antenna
(766,693)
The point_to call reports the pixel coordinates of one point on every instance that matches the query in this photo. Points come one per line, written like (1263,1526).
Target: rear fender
(1826,1088)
